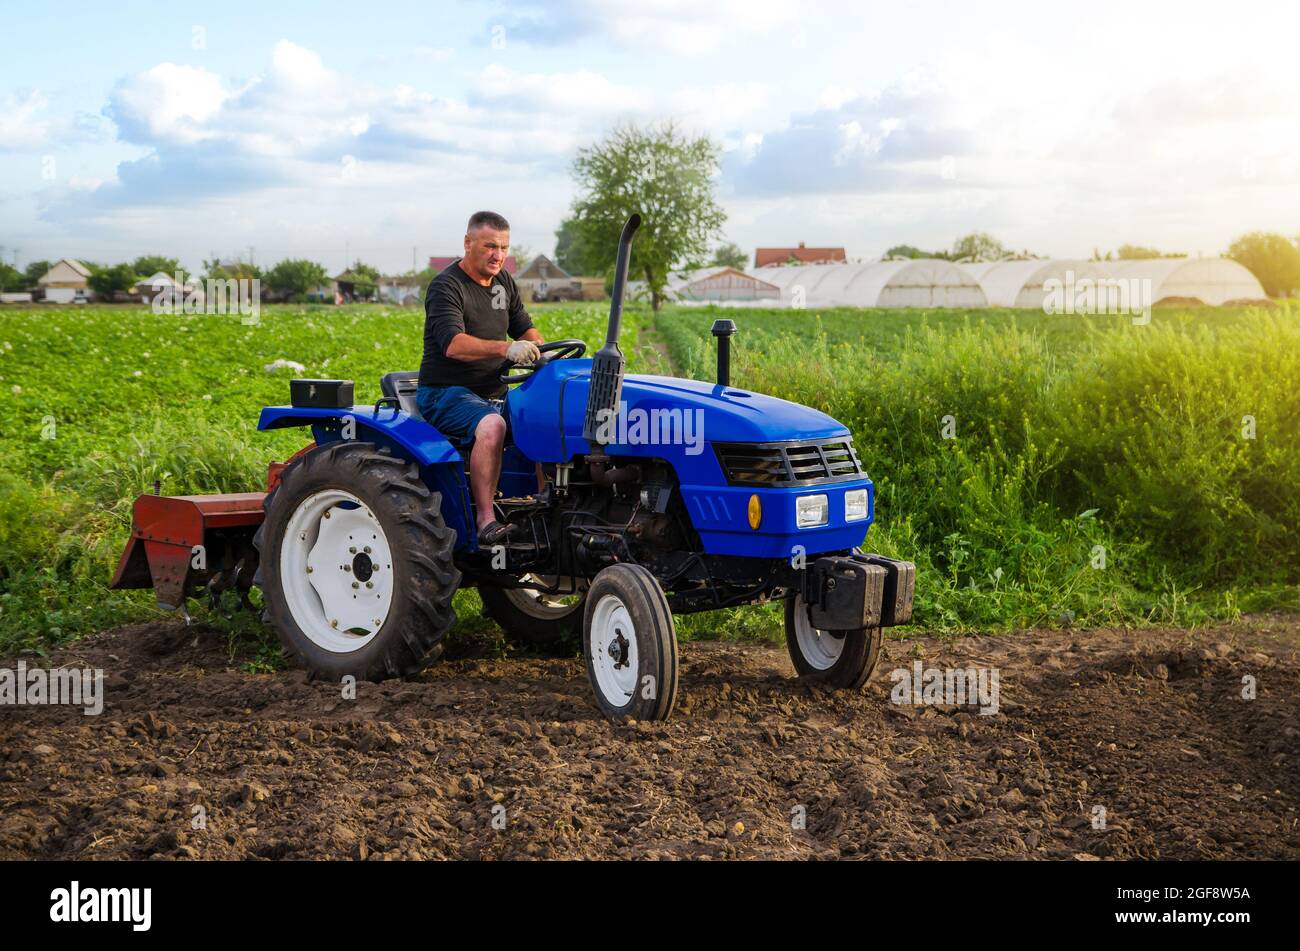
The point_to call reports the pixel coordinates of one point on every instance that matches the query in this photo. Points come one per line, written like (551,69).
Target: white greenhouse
(1026,284)
(933,283)
(907,283)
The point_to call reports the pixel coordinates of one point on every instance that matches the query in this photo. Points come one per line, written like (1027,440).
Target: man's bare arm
(465,347)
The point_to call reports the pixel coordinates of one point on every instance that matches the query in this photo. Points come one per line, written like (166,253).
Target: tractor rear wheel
(356,563)
(548,624)
(630,644)
(835,658)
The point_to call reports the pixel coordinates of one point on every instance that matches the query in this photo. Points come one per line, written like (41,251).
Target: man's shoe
(495,533)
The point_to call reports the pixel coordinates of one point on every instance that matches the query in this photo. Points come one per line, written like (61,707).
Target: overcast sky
(374,129)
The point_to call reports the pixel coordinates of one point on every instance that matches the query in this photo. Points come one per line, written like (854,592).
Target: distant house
(165,284)
(542,277)
(593,288)
(347,288)
(401,290)
(775,257)
(327,293)
(441,264)
(717,283)
(66,282)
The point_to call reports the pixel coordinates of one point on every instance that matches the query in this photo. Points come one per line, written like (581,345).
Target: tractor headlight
(855,505)
(810,510)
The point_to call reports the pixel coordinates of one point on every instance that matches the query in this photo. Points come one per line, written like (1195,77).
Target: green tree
(107,281)
(147,265)
(11,279)
(573,255)
(907,251)
(365,279)
(296,276)
(729,255)
(664,176)
(979,246)
(1272,258)
(239,270)
(35,271)
(1135,252)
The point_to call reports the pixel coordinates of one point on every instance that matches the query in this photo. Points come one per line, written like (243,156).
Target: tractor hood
(547,415)
(732,414)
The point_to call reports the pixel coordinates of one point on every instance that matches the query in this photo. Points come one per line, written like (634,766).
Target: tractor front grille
(802,462)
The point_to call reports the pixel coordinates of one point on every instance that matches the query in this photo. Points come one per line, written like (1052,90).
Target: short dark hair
(490,218)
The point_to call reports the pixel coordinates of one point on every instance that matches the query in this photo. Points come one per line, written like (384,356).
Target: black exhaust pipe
(724,329)
(607,365)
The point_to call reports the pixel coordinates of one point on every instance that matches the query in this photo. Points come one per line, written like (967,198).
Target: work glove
(523,352)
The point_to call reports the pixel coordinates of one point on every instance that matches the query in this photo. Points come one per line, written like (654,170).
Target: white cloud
(169,101)
(26,126)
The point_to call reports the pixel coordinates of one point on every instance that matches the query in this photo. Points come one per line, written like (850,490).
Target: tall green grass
(1099,471)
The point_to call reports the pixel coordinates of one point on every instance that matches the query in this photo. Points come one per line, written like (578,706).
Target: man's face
(486,250)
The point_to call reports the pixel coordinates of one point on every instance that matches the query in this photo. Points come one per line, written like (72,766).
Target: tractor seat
(402,384)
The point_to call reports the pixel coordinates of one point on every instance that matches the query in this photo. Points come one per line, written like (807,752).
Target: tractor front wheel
(835,658)
(356,564)
(630,644)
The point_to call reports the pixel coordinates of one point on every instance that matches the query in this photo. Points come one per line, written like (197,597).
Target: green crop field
(1099,472)
(98,402)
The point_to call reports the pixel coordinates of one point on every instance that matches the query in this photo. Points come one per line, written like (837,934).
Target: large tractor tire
(844,659)
(548,625)
(356,564)
(630,644)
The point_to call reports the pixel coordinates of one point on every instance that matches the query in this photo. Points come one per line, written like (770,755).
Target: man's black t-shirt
(455,303)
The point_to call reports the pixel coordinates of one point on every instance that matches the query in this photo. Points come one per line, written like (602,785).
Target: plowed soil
(511,759)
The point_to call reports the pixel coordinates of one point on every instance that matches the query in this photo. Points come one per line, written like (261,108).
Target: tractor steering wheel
(555,350)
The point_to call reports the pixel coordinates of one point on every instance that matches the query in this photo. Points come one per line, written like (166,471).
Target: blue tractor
(661,496)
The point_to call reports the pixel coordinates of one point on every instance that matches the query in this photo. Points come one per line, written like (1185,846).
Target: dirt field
(1150,726)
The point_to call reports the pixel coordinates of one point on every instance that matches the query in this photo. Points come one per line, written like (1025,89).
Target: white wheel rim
(338,592)
(821,649)
(612,643)
(538,604)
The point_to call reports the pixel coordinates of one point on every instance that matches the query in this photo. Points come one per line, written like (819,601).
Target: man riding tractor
(470,309)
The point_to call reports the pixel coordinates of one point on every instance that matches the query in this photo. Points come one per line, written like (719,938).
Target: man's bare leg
(485,465)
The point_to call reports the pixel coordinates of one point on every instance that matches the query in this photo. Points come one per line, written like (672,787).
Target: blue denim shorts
(456,411)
